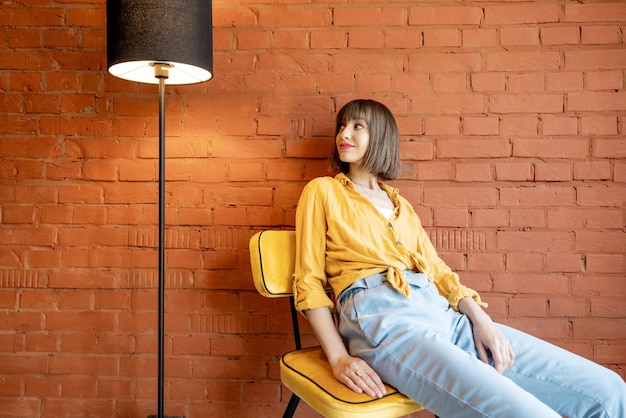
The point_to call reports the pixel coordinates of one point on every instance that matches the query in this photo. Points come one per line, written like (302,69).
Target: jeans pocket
(375,312)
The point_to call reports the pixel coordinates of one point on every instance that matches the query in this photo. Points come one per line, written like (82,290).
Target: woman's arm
(487,336)
(346,368)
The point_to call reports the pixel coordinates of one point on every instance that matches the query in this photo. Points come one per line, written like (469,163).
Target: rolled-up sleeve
(310,279)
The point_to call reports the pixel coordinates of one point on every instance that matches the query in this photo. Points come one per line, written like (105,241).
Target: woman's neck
(363,178)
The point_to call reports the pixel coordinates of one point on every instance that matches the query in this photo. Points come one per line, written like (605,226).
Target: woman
(405,316)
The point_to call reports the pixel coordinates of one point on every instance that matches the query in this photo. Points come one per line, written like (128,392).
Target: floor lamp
(160,42)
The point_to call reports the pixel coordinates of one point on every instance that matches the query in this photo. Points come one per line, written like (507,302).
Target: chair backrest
(272,258)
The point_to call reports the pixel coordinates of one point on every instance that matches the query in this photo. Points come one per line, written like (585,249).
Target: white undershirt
(386,212)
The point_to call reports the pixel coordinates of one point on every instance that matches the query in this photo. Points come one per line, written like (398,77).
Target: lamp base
(167,416)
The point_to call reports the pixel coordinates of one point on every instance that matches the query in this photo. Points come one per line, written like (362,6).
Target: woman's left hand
(489,339)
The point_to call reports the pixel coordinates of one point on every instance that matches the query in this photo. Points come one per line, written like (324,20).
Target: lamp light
(160,42)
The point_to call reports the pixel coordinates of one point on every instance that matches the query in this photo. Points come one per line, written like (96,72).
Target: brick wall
(513,121)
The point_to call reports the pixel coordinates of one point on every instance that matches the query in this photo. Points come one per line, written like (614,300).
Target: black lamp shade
(141,33)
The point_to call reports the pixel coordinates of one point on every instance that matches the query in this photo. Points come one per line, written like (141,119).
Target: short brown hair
(382,157)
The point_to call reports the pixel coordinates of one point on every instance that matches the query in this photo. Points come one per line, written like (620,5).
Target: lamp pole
(161,71)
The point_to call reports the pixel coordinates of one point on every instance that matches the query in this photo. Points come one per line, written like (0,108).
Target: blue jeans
(426,350)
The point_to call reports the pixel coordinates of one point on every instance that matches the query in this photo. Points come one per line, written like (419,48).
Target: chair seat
(308,373)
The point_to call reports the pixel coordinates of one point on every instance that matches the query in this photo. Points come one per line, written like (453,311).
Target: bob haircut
(382,157)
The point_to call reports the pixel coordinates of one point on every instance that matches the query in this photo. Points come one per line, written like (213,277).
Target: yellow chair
(305,371)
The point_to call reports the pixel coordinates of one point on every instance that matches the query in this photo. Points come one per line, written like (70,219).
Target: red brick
(531,218)
(526,82)
(600,35)
(474,148)
(567,35)
(328,39)
(451,217)
(559,125)
(604,80)
(418,151)
(485,262)
(524,241)
(591,285)
(372,83)
(47,387)
(520,14)
(365,38)
(611,196)
(605,263)
(437,125)
(603,218)
(536,196)
(609,354)
(565,81)
(526,103)
(592,170)
(481,126)
(571,148)
(614,148)
(598,125)
(524,262)
(519,126)
(25,82)
(604,59)
(521,61)
(454,197)
(490,218)
(438,38)
(23,408)
(435,171)
(403,38)
(545,328)
(514,171)
(434,62)
(473,172)
(445,15)
(376,16)
(564,262)
(488,82)
(61,407)
(553,172)
(114,388)
(528,307)
(519,36)
(606,307)
(568,306)
(595,328)
(605,12)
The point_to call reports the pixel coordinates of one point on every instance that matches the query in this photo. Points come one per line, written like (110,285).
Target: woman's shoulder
(324,182)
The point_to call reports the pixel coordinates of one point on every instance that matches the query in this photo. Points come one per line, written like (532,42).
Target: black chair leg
(291,407)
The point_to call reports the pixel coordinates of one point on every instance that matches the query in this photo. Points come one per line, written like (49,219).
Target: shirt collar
(391,191)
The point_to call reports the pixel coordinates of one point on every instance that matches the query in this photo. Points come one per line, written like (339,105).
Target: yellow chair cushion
(307,373)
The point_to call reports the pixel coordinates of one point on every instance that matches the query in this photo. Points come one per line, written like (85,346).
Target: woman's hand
(358,376)
(489,339)
(351,371)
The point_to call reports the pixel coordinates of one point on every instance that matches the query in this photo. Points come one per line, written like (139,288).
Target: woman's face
(352,141)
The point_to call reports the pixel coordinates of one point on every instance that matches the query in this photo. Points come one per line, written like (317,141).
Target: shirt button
(399,243)
(389,225)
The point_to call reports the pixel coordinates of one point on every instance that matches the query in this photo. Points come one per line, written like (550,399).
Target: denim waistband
(375,280)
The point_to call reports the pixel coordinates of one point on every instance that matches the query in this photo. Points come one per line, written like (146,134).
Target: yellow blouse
(341,238)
